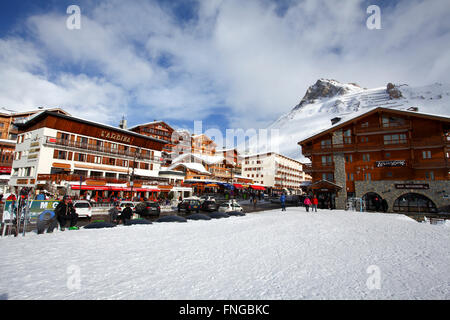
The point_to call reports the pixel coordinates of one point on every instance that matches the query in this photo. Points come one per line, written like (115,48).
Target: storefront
(326,193)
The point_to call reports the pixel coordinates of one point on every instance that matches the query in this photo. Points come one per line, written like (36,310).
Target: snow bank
(269,255)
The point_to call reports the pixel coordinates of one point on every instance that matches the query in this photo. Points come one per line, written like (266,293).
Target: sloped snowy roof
(347,119)
(198,167)
(206,158)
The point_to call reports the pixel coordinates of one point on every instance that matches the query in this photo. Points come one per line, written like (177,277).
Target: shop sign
(421,186)
(116,137)
(390,163)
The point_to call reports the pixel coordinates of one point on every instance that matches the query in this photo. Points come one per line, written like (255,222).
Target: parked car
(189,205)
(230,206)
(83,208)
(123,204)
(209,205)
(148,209)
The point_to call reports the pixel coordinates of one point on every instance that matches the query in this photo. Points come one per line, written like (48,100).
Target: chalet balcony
(75,177)
(393,127)
(85,147)
(434,141)
(321,167)
(437,164)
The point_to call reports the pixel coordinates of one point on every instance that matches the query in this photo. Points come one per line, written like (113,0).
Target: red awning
(109,188)
(100,188)
(257,187)
(239,186)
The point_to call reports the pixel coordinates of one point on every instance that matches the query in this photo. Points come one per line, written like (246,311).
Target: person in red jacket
(315,202)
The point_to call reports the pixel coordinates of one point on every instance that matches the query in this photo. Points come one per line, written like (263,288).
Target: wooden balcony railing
(84,147)
(392,127)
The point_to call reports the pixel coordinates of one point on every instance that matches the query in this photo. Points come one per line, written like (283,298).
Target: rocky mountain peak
(325,88)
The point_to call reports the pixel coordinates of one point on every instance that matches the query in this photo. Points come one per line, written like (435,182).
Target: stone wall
(339,172)
(386,189)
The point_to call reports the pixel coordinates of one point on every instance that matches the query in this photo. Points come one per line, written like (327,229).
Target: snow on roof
(198,167)
(206,158)
(347,118)
(126,131)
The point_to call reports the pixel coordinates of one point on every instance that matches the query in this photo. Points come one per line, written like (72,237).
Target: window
(389,174)
(426,154)
(350,176)
(98,159)
(365,124)
(364,139)
(429,175)
(80,157)
(65,136)
(387,154)
(367,177)
(395,138)
(62,155)
(327,160)
(348,136)
(349,158)
(325,143)
(392,121)
(328,176)
(366,157)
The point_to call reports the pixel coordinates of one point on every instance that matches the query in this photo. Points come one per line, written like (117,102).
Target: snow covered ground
(268,255)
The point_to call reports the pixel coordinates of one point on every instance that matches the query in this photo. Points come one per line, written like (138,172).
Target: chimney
(415,109)
(123,123)
(335,120)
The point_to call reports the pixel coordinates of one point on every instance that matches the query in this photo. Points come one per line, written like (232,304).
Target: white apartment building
(274,171)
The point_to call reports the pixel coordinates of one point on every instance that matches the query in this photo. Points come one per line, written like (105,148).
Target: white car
(83,208)
(230,206)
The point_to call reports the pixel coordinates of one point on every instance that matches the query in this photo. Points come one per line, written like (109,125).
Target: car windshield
(125,204)
(82,205)
(152,204)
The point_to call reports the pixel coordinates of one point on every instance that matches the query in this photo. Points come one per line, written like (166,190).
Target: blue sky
(229,63)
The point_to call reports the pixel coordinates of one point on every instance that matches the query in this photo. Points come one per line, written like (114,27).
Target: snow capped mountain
(327,99)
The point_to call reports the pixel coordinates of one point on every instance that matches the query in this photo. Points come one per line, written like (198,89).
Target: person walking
(283,202)
(315,202)
(307,203)
(114,213)
(127,213)
(66,212)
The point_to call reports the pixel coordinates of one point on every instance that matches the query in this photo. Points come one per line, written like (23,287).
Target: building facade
(399,156)
(71,154)
(274,171)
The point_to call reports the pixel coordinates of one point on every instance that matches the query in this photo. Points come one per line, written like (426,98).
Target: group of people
(313,202)
(115,215)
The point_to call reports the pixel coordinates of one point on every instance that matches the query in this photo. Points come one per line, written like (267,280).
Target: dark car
(189,205)
(148,209)
(209,206)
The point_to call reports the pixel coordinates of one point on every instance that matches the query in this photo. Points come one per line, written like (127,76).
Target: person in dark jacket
(384,205)
(283,202)
(114,213)
(127,213)
(66,212)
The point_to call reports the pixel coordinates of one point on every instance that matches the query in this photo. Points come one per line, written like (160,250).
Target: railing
(92,147)
(431,164)
(429,141)
(321,167)
(371,129)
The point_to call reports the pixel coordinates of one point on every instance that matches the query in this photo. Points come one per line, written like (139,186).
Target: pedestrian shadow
(3,296)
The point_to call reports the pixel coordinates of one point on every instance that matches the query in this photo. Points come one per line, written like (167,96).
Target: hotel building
(400,156)
(274,171)
(73,154)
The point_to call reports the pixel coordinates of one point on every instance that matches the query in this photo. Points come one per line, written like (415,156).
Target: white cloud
(240,54)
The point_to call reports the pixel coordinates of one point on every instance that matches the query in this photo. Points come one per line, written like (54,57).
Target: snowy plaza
(331,254)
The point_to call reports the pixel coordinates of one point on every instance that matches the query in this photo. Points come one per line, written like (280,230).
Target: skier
(65,211)
(127,213)
(315,202)
(283,202)
(307,204)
